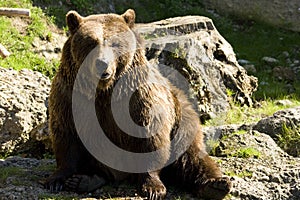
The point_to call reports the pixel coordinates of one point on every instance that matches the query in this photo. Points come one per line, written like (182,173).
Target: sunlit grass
(19,44)
(289,140)
(248,115)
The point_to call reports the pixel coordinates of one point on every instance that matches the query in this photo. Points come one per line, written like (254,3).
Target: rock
(232,140)
(23,106)
(273,125)
(284,74)
(192,46)
(269,60)
(286,54)
(263,179)
(265,172)
(250,69)
(284,102)
(284,128)
(244,62)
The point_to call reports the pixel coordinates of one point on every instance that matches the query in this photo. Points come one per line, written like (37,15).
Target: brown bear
(104,70)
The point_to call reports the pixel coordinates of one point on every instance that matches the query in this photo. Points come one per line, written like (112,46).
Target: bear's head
(105,43)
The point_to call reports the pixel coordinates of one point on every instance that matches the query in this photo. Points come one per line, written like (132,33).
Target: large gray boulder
(192,46)
(274,125)
(23,109)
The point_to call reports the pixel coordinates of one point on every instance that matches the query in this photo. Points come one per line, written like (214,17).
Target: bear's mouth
(105,76)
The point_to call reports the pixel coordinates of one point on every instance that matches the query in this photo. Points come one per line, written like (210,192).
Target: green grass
(212,144)
(45,167)
(289,140)
(247,115)
(242,174)
(19,43)
(6,172)
(240,132)
(247,153)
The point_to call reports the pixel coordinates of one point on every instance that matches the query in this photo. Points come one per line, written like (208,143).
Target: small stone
(250,68)
(264,83)
(285,54)
(20,189)
(284,102)
(264,178)
(244,62)
(12,197)
(270,60)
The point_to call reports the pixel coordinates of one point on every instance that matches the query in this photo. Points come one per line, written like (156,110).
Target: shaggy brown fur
(164,108)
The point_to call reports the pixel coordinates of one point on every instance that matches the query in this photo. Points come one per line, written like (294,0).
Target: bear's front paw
(54,183)
(84,183)
(154,189)
(215,188)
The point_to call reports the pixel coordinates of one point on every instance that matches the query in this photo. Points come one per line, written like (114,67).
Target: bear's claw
(154,189)
(54,184)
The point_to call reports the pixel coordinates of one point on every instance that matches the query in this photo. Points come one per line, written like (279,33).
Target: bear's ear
(129,17)
(73,20)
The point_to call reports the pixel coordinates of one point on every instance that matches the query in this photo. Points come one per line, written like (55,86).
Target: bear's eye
(115,44)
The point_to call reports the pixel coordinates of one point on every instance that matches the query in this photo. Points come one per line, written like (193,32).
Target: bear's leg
(151,186)
(199,173)
(69,158)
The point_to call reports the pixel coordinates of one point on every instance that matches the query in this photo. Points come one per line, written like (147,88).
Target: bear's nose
(102,68)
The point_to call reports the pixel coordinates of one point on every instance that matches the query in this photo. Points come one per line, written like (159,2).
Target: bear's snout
(102,69)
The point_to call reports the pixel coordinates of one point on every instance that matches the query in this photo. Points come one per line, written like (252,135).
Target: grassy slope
(18,37)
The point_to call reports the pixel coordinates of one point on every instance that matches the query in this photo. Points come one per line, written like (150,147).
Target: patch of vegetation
(289,140)
(248,115)
(19,41)
(45,167)
(243,174)
(247,153)
(240,132)
(212,146)
(6,172)
(48,155)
